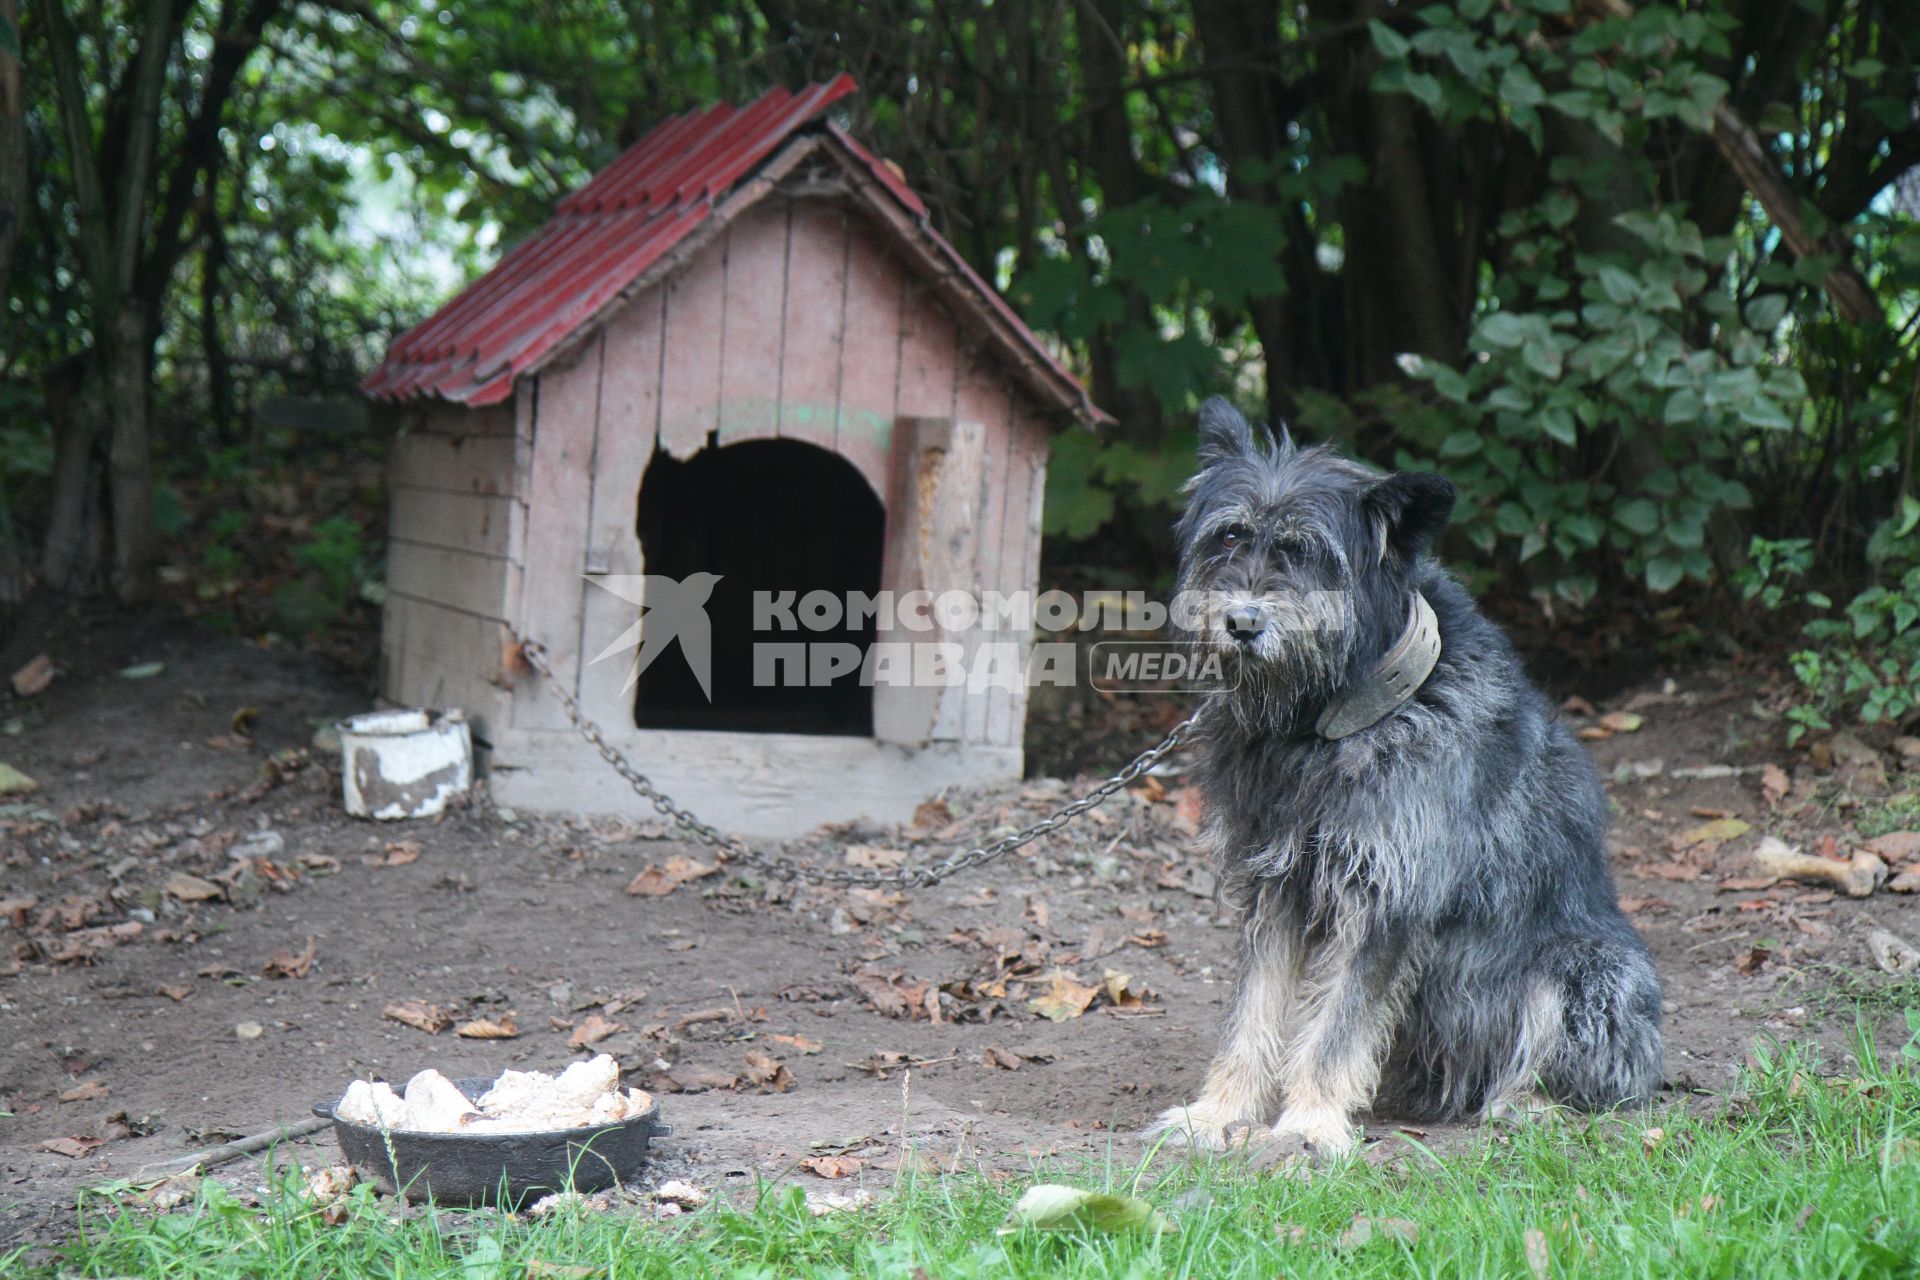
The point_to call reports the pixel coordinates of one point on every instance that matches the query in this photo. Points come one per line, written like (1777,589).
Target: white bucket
(404,764)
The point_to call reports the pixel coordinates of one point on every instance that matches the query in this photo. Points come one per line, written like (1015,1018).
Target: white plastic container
(404,764)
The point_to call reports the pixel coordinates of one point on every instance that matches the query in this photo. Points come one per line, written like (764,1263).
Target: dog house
(738,369)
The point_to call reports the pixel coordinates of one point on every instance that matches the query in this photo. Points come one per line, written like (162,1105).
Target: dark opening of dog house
(776,521)
(740,359)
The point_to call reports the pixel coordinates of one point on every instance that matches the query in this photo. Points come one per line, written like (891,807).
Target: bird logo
(670,609)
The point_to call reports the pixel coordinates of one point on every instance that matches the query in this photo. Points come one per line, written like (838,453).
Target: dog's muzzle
(1245,623)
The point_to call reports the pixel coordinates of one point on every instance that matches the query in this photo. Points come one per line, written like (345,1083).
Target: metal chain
(784,868)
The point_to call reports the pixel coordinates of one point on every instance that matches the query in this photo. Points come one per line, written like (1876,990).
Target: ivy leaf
(1637,515)
(1558,423)
(1392,45)
(1503,329)
(1765,311)
(1664,575)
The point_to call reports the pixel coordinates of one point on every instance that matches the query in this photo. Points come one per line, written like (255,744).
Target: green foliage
(1865,657)
(1635,346)
(336,572)
(1088,478)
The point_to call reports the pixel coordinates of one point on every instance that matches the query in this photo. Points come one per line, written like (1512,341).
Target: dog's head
(1296,564)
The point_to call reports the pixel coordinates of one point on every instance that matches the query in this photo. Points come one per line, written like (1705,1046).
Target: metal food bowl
(507,1169)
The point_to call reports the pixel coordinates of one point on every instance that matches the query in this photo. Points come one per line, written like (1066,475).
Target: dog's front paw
(1324,1134)
(1204,1126)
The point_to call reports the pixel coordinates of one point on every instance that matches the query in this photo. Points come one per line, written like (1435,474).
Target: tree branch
(1748,157)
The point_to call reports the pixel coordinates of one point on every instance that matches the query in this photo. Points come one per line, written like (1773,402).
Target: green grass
(1896,813)
(1804,1176)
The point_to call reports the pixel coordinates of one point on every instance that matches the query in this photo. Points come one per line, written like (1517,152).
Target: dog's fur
(1428,922)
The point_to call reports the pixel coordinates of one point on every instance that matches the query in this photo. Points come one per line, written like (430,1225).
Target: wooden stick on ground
(230,1151)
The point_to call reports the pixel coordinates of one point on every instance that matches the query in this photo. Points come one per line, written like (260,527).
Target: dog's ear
(1410,509)
(1223,432)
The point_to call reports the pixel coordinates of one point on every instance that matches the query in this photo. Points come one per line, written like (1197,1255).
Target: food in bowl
(585,1094)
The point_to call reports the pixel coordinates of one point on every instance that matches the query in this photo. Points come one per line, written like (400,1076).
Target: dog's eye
(1233,535)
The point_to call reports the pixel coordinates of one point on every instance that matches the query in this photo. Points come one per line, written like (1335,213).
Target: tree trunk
(1240,39)
(1103,67)
(124,360)
(70,559)
(1398,295)
(13,140)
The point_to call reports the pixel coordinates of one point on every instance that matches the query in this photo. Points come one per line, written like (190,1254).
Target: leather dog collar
(1397,678)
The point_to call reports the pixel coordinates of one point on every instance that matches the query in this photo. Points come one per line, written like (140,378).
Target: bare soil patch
(780,1024)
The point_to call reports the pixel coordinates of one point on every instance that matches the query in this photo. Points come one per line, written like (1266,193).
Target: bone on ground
(1857,877)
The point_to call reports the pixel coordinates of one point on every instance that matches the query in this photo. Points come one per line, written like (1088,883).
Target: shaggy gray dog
(1414,840)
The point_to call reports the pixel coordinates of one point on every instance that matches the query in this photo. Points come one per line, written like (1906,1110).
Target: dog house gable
(804,337)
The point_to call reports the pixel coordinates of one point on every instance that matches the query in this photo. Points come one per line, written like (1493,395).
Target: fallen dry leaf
(932,813)
(398,853)
(697,1080)
(1120,991)
(488,1029)
(870,858)
(1720,830)
(173,993)
(1575,705)
(768,1072)
(1592,733)
(892,996)
(191,888)
(540,1270)
(1774,784)
(1650,1139)
(592,1030)
(799,1042)
(419,1015)
(1065,998)
(287,963)
(1895,846)
(1189,810)
(248,1030)
(85,1091)
(1004,1059)
(1538,1258)
(1622,721)
(658,881)
(1363,1230)
(832,1166)
(34,677)
(1669,871)
(72,1148)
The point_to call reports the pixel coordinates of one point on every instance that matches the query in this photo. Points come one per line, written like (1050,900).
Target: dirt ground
(779,1025)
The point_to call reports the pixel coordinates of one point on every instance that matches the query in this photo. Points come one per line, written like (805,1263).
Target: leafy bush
(1640,354)
(1865,660)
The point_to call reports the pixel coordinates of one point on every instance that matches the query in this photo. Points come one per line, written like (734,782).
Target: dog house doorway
(776,516)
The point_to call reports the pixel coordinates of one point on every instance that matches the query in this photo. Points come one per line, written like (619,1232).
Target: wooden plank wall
(451,520)
(796,322)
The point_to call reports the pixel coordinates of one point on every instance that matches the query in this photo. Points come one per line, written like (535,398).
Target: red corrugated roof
(604,236)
